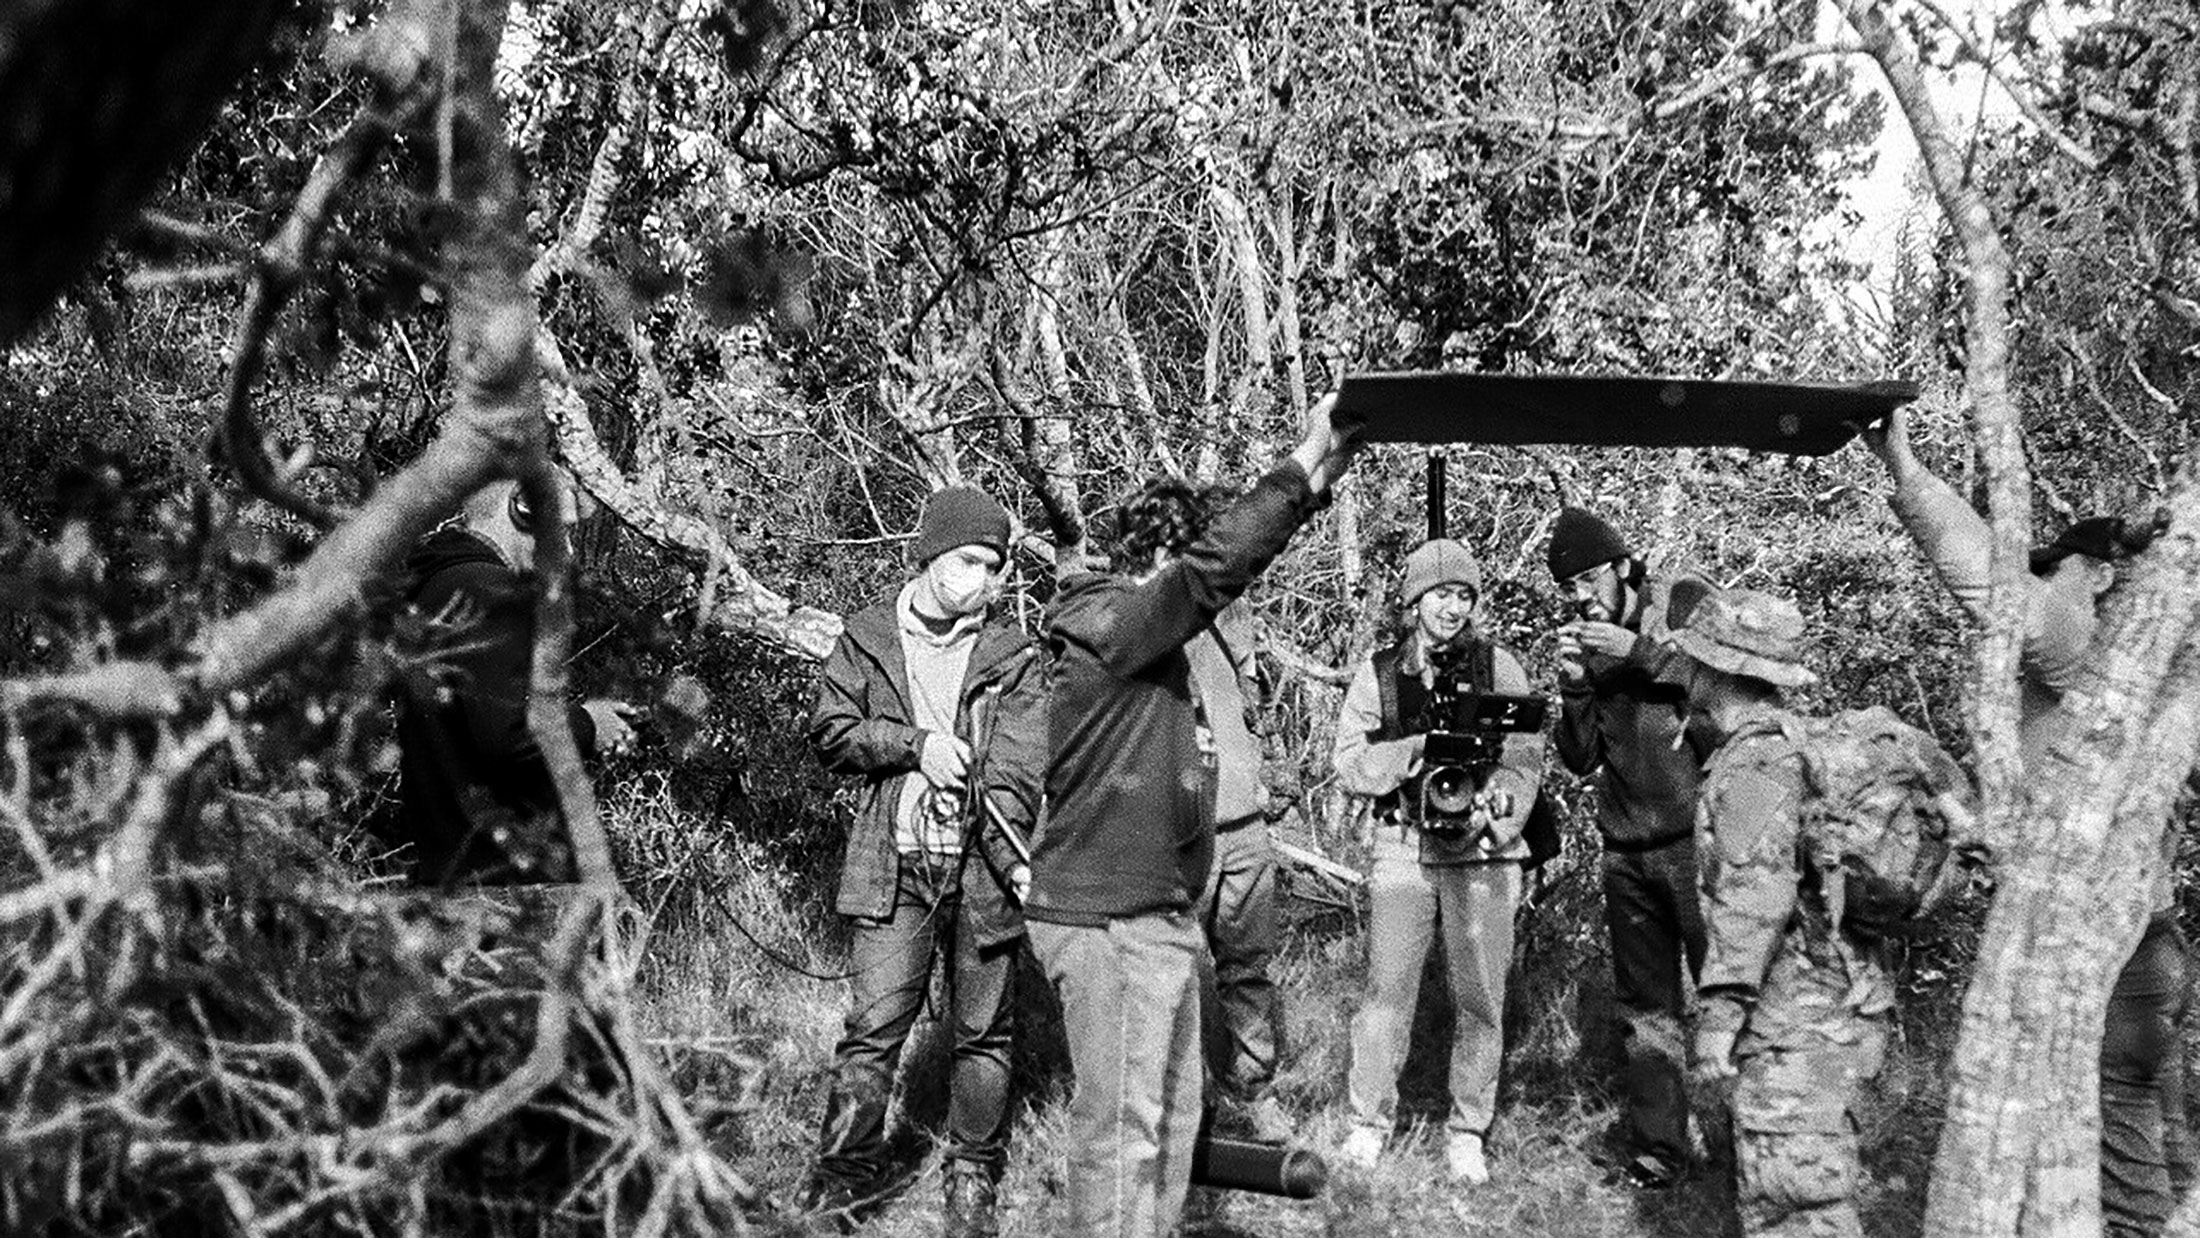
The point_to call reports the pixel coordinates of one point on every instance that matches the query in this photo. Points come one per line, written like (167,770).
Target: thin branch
(1299,662)
(277,271)
(155,278)
(113,690)
(183,232)
(1589,128)
(1063,518)
(2019,93)
(603,170)
(2070,345)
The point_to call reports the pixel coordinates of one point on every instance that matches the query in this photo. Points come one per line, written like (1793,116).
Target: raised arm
(1152,621)
(1957,542)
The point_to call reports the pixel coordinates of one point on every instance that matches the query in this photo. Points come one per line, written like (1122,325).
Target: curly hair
(1165,514)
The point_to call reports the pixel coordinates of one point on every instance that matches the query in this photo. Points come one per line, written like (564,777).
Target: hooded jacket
(860,725)
(1624,725)
(476,803)
(1130,824)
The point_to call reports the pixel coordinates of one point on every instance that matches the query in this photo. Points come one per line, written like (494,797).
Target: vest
(1405,702)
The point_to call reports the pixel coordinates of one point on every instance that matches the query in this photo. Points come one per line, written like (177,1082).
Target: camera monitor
(1503,711)
(1802,419)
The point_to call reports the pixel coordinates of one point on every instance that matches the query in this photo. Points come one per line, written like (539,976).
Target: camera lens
(1450,790)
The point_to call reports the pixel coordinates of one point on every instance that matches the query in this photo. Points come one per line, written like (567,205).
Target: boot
(852,1144)
(970,1211)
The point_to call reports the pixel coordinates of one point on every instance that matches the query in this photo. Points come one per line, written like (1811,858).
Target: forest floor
(751,1039)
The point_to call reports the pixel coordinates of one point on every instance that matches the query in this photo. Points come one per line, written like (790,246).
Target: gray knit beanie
(1440,561)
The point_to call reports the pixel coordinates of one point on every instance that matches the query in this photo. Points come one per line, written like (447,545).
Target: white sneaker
(1466,1160)
(1269,1122)
(1363,1148)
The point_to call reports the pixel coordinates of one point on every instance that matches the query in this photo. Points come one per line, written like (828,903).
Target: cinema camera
(1466,733)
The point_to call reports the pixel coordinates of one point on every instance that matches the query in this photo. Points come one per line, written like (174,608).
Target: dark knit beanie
(2107,538)
(960,516)
(1580,541)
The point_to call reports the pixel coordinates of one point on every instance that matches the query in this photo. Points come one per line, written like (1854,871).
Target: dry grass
(718,1001)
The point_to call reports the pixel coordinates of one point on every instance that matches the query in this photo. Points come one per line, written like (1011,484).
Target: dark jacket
(475,800)
(860,725)
(1626,725)
(1130,826)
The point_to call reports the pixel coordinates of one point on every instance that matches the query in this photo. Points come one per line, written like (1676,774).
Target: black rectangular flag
(1803,419)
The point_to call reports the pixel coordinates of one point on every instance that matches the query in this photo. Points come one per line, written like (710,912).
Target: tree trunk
(2020,1153)
(2078,839)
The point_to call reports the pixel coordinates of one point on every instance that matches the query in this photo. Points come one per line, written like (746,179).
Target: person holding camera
(1622,728)
(1447,850)
(937,706)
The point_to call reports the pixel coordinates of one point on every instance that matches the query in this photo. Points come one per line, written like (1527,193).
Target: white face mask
(963,581)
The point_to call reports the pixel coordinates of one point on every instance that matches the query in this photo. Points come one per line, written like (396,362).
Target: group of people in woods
(1097,789)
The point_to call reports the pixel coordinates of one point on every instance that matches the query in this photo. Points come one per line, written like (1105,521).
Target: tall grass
(752,1040)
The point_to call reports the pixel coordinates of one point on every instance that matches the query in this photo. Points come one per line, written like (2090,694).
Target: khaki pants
(1130,1010)
(1473,903)
(1240,1009)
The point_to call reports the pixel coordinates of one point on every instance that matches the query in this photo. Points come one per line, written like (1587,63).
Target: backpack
(1882,805)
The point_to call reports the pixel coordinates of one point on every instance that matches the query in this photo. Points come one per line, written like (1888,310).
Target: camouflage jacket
(1775,967)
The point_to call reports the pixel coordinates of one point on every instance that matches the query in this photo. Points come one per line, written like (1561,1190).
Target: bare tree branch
(279,267)
(1064,521)
(2020,93)
(1591,128)
(744,604)
(2071,346)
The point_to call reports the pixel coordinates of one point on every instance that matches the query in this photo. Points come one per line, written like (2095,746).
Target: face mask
(960,586)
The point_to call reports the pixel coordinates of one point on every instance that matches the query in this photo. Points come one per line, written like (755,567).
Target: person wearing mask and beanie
(933,703)
(1468,880)
(2142,1055)
(1621,728)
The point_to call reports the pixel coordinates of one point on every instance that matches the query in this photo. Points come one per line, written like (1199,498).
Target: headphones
(520,510)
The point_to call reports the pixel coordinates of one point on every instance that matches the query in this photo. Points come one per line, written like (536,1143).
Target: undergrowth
(751,1040)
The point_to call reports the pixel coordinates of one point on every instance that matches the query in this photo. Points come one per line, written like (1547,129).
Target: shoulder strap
(1386,663)
(1481,664)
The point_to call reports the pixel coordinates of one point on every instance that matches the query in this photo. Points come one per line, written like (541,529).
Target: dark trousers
(1241,1011)
(1656,926)
(2142,1077)
(892,960)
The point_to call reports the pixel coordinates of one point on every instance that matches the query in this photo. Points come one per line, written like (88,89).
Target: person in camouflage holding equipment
(1795,997)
